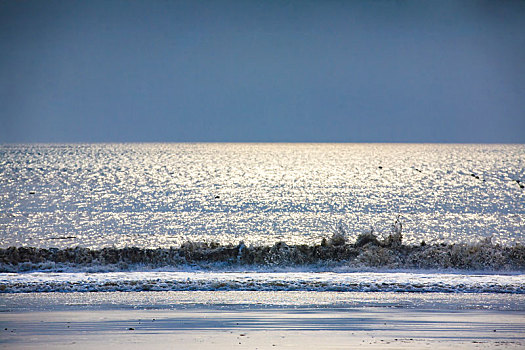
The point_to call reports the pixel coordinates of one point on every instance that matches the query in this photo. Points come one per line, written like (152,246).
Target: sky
(262,71)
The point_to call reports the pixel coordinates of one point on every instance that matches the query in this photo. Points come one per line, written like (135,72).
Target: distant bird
(217,197)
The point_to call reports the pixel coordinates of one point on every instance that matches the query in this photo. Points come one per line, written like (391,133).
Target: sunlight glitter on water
(160,195)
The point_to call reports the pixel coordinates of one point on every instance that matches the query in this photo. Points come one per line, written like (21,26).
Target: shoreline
(249,320)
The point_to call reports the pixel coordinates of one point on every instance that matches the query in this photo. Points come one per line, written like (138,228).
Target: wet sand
(261,327)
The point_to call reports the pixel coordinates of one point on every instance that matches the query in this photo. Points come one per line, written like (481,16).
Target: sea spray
(368,251)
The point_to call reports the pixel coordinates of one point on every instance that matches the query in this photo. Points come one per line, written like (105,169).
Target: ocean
(326,218)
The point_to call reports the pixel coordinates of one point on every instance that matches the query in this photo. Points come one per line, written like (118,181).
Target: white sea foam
(262,281)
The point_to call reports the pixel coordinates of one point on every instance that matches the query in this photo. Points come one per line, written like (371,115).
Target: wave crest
(368,251)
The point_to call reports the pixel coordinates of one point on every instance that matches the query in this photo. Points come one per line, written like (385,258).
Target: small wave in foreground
(261,281)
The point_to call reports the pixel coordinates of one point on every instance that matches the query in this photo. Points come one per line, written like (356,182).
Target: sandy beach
(218,324)
(208,328)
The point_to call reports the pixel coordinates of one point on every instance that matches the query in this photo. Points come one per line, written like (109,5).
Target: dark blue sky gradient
(290,71)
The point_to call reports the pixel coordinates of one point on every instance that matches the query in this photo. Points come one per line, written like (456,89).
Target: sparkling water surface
(160,195)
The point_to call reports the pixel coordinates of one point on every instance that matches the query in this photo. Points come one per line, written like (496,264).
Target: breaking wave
(368,251)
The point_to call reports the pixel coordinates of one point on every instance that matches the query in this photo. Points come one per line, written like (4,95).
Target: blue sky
(262,71)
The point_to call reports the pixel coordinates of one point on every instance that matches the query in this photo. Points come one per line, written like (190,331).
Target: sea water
(262,217)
